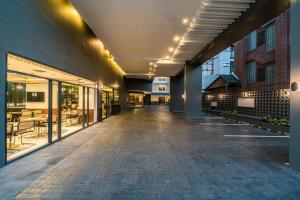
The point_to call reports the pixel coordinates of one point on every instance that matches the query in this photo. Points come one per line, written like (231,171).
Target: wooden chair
(38,113)
(10,132)
(24,127)
(8,117)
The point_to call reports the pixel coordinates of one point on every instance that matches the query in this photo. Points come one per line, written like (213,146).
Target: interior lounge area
(135,99)
(44,105)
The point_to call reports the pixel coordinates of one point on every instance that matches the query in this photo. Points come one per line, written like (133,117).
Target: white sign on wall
(246,102)
(214,104)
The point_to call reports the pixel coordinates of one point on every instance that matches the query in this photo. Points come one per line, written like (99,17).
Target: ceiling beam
(257,15)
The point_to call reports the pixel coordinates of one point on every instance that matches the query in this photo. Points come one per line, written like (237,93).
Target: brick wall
(275,103)
(280,57)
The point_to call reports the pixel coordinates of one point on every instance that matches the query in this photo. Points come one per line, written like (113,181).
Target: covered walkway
(151,153)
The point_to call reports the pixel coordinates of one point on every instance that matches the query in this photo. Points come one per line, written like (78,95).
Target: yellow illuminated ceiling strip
(68,11)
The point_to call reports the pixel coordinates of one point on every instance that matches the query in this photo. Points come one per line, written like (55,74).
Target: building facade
(221,64)
(262,65)
(54,81)
(160,91)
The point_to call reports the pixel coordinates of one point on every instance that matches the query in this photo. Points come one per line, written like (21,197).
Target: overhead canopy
(166,33)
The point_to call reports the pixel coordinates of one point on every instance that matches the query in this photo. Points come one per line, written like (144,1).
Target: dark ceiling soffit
(257,15)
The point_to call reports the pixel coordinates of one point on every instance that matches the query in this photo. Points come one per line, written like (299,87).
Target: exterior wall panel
(44,31)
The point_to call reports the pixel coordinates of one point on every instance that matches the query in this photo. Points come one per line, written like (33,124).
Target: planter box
(256,122)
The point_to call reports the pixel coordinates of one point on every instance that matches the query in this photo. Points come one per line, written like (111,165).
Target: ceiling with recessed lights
(156,37)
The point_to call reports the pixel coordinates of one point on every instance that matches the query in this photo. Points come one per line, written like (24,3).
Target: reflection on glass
(71,109)
(54,110)
(27,114)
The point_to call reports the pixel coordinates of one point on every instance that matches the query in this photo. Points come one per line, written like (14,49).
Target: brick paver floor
(150,153)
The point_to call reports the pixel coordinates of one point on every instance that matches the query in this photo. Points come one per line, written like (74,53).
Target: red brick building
(262,67)
(279,55)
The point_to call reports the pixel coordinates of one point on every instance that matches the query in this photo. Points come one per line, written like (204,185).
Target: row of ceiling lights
(153,66)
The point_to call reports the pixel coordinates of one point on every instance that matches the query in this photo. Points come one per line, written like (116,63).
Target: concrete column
(2,108)
(176,92)
(295,95)
(193,91)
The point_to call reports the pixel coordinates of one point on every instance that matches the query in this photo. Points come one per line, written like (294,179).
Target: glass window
(116,97)
(71,109)
(251,41)
(28,99)
(270,38)
(110,102)
(92,112)
(251,73)
(270,75)
(27,114)
(104,104)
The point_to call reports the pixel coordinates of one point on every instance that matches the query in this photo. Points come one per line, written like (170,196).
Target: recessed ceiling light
(167,57)
(171,49)
(176,38)
(185,20)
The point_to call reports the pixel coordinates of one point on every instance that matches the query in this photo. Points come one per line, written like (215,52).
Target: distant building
(160,91)
(221,64)
(262,67)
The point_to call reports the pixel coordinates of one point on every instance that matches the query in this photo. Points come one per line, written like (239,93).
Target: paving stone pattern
(151,153)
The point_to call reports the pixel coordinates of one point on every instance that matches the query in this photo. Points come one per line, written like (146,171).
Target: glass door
(104,104)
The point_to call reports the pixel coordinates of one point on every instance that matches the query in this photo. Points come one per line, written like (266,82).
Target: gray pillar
(295,77)
(2,107)
(193,91)
(176,92)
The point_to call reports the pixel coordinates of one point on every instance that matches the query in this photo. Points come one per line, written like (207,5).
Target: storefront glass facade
(44,105)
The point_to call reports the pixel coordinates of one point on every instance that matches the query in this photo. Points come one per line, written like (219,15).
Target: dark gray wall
(176,92)
(41,30)
(295,96)
(38,29)
(138,84)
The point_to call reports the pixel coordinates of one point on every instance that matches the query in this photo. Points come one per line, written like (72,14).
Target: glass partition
(27,114)
(71,109)
(29,101)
